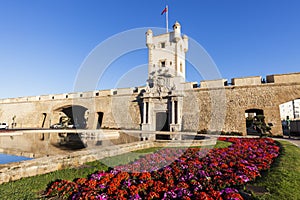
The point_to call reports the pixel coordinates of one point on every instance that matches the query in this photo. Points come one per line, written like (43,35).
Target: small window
(53,97)
(163,63)
(163,45)
(81,95)
(180,67)
(97,94)
(67,96)
(171,63)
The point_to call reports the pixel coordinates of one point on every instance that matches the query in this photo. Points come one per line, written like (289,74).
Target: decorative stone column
(173,112)
(144,112)
(176,123)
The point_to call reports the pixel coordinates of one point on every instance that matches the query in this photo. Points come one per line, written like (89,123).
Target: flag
(164,11)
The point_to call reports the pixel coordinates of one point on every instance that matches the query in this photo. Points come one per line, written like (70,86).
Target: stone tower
(166,72)
(167,56)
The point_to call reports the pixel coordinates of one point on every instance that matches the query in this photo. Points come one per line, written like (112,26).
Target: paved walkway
(293,140)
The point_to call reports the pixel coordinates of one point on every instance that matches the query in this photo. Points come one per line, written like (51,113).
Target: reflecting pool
(5,158)
(41,143)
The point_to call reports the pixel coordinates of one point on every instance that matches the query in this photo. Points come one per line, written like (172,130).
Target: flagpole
(167,18)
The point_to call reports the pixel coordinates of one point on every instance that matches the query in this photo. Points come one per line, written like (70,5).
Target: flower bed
(194,173)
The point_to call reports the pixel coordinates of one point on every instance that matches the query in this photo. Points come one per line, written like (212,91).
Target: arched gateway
(77,115)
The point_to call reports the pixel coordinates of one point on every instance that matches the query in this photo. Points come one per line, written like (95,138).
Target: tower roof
(176,24)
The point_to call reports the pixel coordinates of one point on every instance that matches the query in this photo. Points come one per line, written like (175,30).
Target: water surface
(5,158)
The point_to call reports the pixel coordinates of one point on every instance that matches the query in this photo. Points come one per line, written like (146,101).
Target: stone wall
(224,108)
(215,105)
(284,78)
(15,171)
(254,80)
(120,110)
(43,165)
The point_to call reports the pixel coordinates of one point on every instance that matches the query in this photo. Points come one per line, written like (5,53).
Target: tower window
(163,63)
(163,45)
(171,63)
(180,67)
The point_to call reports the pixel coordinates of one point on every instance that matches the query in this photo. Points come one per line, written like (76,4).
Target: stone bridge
(212,105)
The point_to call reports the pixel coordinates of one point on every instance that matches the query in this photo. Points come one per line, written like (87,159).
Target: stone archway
(249,115)
(76,113)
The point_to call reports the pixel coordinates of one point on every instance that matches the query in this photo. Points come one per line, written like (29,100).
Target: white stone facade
(162,101)
(291,109)
(167,55)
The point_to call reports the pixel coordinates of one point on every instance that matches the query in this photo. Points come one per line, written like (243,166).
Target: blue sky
(44,42)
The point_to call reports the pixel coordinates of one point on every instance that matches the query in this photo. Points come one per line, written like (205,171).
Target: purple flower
(102,196)
(229,190)
(244,178)
(169,195)
(97,176)
(136,197)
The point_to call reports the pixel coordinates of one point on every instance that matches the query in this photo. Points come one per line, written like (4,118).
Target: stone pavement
(293,140)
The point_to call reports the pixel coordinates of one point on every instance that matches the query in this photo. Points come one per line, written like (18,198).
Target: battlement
(284,78)
(252,81)
(213,83)
(243,81)
(74,95)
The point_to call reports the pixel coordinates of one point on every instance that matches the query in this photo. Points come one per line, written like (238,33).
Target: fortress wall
(224,108)
(213,83)
(284,78)
(240,99)
(254,80)
(120,110)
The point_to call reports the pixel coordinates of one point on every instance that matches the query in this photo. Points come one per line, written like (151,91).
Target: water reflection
(38,144)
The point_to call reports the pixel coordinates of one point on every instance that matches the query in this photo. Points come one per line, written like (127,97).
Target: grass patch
(129,157)
(282,181)
(31,187)
(222,144)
